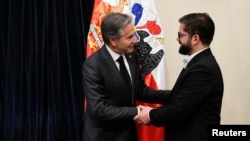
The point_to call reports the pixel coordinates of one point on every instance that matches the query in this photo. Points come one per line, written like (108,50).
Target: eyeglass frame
(182,34)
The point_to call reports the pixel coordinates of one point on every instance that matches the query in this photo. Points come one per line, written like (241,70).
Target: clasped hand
(143,117)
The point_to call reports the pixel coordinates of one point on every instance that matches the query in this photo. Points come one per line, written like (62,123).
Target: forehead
(181,27)
(129,29)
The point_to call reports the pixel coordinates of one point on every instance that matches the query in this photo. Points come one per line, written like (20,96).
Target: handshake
(143,115)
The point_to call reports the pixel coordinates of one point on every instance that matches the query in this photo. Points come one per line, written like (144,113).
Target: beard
(185,49)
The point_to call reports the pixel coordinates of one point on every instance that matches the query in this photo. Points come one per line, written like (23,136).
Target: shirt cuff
(148,115)
(139,111)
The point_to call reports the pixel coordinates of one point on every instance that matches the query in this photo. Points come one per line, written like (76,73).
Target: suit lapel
(108,60)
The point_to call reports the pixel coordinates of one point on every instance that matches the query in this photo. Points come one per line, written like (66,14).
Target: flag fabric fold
(149,47)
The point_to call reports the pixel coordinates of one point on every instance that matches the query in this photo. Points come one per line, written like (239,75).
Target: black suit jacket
(110,111)
(195,101)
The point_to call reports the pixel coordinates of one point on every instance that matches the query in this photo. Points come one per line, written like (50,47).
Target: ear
(113,41)
(196,38)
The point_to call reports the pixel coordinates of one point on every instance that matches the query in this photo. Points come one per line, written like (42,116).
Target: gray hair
(113,24)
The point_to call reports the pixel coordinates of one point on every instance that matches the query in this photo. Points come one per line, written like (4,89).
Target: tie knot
(120,60)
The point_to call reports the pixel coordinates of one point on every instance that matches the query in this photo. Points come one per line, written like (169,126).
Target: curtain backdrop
(42,48)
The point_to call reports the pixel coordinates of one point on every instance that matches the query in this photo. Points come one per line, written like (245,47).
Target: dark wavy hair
(201,24)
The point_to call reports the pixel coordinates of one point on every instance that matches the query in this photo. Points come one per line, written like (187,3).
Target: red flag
(149,47)
(151,55)
(101,8)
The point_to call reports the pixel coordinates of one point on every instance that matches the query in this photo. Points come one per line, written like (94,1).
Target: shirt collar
(187,59)
(113,54)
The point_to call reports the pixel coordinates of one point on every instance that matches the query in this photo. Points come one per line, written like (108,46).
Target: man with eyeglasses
(195,101)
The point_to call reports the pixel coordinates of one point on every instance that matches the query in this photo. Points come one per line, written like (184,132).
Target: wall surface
(231,47)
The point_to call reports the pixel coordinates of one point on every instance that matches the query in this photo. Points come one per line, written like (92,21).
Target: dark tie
(125,74)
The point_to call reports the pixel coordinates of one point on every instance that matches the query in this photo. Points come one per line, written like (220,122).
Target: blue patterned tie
(125,74)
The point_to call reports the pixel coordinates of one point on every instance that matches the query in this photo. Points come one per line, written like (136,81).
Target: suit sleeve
(188,94)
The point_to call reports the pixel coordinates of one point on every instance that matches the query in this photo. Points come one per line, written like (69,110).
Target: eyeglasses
(181,35)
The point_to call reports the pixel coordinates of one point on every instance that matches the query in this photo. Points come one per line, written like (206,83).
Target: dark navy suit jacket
(110,111)
(194,102)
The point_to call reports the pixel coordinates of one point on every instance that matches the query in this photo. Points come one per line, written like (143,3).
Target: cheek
(180,42)
(127,42)
(183,42)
